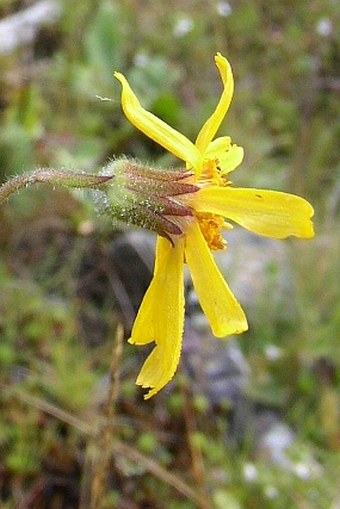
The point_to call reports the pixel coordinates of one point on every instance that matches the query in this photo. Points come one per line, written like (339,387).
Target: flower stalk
(50,176)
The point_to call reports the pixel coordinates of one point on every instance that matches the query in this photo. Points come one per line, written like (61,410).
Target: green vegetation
(59,303)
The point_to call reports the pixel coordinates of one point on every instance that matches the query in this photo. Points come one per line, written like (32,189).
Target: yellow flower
(208,163)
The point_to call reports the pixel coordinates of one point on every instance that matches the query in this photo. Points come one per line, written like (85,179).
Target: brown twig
(195,450)
(102,449)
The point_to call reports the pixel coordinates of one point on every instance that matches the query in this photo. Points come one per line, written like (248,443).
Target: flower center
(211,226)
(212,175)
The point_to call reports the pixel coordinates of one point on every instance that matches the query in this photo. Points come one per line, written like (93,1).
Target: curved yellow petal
(161,318)
(216,146)
(229,161)
(211,126)
(269,213)
(224,313)
(155,128)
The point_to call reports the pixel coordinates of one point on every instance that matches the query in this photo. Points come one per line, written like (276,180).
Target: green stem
(50,176)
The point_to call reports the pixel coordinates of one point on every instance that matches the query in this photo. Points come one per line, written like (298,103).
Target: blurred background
(247,423)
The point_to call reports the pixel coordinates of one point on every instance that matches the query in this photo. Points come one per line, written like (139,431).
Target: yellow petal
(216,146)
(209,129)
(224,313)
(229,160)
(162,250)
(270,213)
(143,331)
(161,318)
(155,128)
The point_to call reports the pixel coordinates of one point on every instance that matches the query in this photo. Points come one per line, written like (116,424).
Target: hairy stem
(50,176)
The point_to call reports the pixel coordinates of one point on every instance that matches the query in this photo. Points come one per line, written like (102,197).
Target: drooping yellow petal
(161,318)
(144,331)
(161,252)
(269,213)
(224,313)
(155,128)
(211,126)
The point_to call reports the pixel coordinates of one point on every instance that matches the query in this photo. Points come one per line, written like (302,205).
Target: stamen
(212,174)
(211,226)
